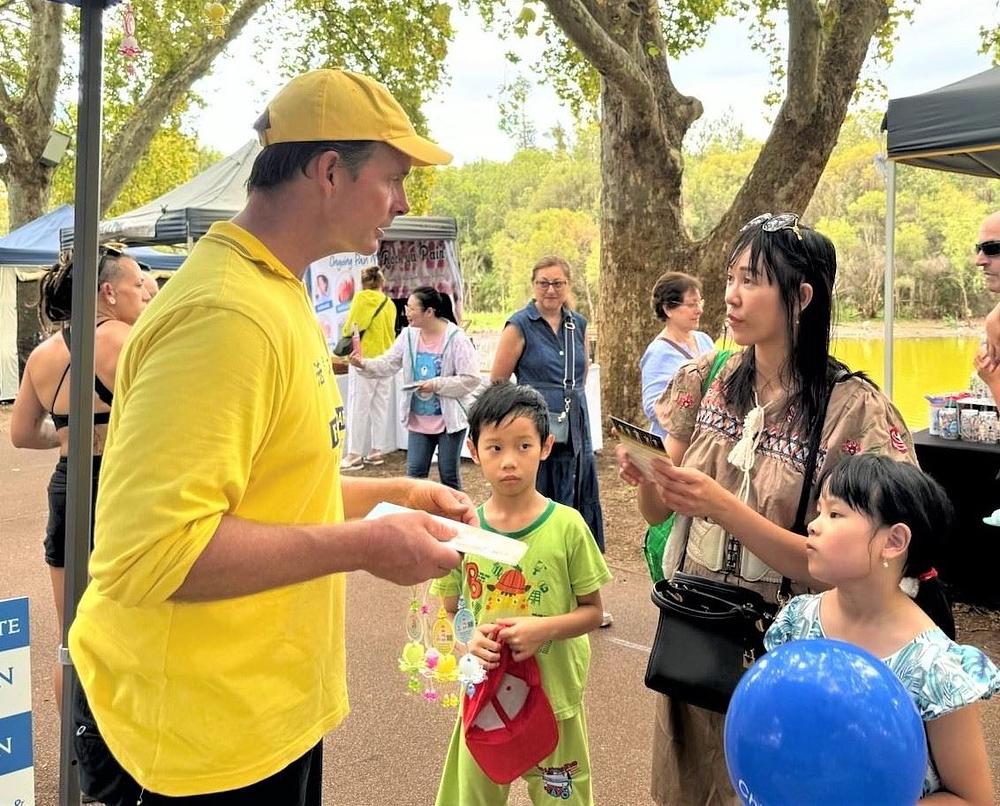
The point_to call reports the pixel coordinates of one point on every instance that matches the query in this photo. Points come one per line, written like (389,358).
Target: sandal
(375,459)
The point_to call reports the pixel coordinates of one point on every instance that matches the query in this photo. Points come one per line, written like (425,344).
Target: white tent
(184,214)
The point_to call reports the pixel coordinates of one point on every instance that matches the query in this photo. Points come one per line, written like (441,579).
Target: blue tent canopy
(37,244)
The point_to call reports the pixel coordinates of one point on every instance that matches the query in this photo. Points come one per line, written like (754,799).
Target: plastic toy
(428,658)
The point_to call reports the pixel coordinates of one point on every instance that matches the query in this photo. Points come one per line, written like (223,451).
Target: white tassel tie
(744,452)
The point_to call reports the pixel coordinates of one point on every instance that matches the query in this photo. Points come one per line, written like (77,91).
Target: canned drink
(932,427)
(988,427)
(968,427)
(948,422)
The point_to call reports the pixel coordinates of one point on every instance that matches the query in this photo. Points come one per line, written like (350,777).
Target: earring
(885,563)
(111,300)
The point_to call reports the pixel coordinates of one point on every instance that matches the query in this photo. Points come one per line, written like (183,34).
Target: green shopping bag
(653,546)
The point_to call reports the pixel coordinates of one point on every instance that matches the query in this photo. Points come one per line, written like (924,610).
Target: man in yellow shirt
(210,641)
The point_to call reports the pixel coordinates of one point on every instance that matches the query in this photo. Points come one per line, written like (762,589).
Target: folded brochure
(470,539)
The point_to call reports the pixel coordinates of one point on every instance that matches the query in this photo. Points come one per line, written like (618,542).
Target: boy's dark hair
(889,492)
(278,163)
(502,401)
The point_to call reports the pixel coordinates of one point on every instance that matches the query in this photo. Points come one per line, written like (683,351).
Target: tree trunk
(28,186)
(644,120)
(639,200)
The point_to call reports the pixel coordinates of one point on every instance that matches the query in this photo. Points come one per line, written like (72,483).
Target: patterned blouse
(859,418)
(940,675)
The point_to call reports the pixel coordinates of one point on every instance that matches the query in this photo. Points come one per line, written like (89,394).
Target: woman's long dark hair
(432,298)
(788,261)
(889,492)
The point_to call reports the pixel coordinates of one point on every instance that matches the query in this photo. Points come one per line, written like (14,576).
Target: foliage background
(546,200)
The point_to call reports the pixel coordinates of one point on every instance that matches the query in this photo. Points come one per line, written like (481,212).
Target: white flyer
(469,540)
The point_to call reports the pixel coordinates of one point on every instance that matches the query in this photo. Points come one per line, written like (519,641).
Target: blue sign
(16,757)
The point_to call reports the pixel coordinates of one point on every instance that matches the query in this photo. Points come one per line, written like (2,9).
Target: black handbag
(709,632)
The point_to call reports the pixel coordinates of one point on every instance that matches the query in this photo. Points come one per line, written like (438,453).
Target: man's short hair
(503,401)
(280,162)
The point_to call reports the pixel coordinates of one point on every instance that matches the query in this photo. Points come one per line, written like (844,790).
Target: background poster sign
(410,264)
(17,777)
(332,282)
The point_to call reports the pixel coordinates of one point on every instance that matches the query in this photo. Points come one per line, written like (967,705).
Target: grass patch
(484,321)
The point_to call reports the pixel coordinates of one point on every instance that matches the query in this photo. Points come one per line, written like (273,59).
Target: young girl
(880,529)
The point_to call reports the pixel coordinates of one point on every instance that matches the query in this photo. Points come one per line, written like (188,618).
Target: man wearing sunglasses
(988,259)
(210,641)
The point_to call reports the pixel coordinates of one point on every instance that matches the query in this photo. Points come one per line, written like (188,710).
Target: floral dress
(940,675)
(688,760)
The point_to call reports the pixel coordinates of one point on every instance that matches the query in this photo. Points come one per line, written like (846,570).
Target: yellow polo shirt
(224,403)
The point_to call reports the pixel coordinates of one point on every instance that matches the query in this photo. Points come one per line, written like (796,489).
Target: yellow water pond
(921,366)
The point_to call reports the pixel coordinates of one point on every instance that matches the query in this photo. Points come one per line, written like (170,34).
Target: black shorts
(55,530)
(102,777)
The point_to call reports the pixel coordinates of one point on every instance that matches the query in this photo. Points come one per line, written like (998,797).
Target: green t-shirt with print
(562,562)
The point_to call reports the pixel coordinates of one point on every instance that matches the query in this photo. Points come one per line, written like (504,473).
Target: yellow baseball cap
(335,104)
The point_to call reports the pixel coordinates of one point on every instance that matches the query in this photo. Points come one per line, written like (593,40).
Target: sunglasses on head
(988,248)
(775,223)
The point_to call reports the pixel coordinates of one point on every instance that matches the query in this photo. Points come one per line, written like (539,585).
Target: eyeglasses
(775,223)
(555,285)
(988,248)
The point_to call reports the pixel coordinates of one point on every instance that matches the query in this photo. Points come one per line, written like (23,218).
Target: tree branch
(132,141)
(611,60)
(792,160)
(805,33)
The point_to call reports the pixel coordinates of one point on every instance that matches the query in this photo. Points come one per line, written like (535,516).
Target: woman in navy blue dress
(545,345)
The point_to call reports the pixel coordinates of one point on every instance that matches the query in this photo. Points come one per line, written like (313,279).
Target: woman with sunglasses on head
(545,345)
(738,457)
(40,417)
(677,302)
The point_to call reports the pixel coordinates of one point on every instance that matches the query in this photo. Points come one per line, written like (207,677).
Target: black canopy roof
(953,128)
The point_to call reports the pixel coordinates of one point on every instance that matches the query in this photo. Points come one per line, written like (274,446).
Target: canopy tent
(184,214)
(22,253)
(37,243)
(954,128)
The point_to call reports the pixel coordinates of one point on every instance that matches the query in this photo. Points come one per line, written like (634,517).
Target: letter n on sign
(17,784)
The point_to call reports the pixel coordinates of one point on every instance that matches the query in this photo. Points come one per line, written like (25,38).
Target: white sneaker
(352,463)
(607,619)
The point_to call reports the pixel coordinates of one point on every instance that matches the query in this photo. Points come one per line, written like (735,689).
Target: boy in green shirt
(544,607)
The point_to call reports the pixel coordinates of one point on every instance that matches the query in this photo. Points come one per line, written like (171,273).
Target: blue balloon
(823,722)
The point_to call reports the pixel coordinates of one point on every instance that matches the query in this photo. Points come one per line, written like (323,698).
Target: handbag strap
(677,347)
(812,458)
(378,310)
(569,364)
(785,588)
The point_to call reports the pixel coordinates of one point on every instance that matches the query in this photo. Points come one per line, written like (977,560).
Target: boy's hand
(484,647)
(524,635)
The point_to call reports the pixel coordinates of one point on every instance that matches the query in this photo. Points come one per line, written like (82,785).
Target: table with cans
(968,418)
